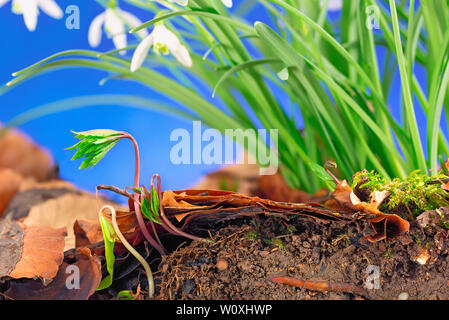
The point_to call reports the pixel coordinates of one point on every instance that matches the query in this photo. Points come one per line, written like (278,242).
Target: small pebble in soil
(222,264)
(423,256)
(188,286)
(403,296)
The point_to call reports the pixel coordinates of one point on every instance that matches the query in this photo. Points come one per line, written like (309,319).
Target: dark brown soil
(246,254)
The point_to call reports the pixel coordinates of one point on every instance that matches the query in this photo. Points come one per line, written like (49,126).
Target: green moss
(252,236)
(278,243)
(411,196)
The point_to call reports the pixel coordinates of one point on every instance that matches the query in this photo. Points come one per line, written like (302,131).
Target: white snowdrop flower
(334,5)
(163,41)
(114,22)
(30,10)
(227,3)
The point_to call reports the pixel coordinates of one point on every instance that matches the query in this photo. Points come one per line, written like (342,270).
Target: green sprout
(94,145)
(109,237)
(125,295)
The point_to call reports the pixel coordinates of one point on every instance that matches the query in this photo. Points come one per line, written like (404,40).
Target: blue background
(20,48)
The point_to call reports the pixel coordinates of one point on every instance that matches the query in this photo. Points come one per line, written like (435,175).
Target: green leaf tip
(94,145)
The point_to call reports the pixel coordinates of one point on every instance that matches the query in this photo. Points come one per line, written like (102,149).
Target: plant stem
(169,225)
(133,251)
(139,216)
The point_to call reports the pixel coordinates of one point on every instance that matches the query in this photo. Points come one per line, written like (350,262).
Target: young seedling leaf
(125,295)
(323,175)
(155,203)
(94,145)
(148,211)
(109,237)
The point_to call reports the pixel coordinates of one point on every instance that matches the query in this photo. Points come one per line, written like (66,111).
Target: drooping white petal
(95,30)
(120,42)
(165,38)
(51,8)
(112,23)
(141,52)
(182,55)
(227,3)
(3,2)
(133,22)
(166,41)
(115,29)
(30,11)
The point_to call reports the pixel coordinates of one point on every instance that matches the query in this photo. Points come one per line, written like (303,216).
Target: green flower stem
(133,251)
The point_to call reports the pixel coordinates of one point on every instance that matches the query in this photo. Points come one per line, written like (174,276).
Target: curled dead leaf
(385,226)
(77,279)
(87,232)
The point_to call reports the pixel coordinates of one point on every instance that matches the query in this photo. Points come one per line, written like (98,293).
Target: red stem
(139,216)
(166,221)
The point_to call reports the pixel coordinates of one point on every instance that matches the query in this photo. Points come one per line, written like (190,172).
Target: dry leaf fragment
(385,226)
(241,178)
(87,232)
(42,253)
(423,256)
(20,153)
(40,250)
(11,239)
(9,185)
(55,204)
(65,285)
(275,188)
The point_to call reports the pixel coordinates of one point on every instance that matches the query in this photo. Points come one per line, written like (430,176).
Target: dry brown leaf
(275,188)
(53,203)
(241,178)
(377,197)
(11,240)
(9,185)
(20,153)
(63,212)
(87,232)
(386,226)
(63,286)
(34,251)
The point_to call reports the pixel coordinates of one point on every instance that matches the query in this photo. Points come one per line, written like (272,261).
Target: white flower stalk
(30,10)
(227,3)
(163,41)
(115,22)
